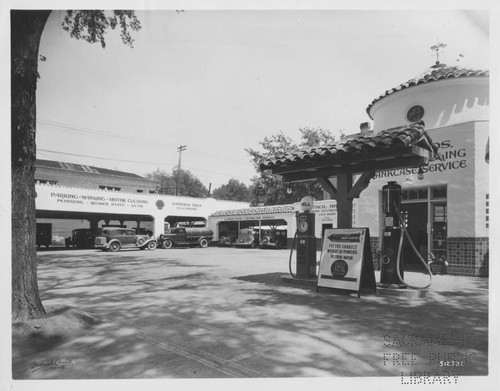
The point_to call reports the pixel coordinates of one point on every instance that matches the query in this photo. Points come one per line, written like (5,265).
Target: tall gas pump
(306,240)
(391,242)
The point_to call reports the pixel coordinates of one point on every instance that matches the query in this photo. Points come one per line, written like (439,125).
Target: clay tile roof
(84,168)
(434,73)
(356,149)
(258,210)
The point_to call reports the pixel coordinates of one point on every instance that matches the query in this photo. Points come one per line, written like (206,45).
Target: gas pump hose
(291,252)
(400,247)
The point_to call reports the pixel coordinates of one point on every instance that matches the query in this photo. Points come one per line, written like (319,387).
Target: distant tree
(164,180)
(186,184)
(179,182)
(26,31)
(268,189)
(234,190)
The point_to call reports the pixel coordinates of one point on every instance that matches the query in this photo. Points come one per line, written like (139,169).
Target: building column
(94,224)
(344,202)
(158,224)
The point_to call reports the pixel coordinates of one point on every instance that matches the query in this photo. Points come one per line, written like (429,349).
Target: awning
(401,147)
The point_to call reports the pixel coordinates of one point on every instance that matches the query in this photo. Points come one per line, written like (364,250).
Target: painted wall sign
(253,217)
(103,200)
(453,157)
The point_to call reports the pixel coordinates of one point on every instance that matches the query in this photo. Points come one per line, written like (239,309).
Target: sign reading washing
(104,200)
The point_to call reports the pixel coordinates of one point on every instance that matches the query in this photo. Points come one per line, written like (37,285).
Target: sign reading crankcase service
(346,261)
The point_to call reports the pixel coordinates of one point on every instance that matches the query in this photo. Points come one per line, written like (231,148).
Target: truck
(186,236)
(43,234)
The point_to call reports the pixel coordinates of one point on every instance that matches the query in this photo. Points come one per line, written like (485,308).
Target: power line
(127,138)
(135,162)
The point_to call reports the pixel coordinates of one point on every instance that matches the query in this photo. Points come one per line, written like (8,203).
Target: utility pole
(180,148)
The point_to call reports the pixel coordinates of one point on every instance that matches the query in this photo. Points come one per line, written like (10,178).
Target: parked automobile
(43,234)
(83,237)
(227,240)
(186,236)
(275,238)
(247,238)
(113,239)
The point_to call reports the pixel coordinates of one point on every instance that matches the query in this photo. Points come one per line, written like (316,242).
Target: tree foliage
(234,190)
(269,189)
(179,182)
(92,25)
(26,31)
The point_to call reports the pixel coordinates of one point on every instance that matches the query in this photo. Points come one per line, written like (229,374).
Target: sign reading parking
(346,260)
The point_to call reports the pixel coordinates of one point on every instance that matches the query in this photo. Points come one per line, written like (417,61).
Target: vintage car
(83,237)
(186,236)
(275,238)
(226,240)
(113,239)
(247,238)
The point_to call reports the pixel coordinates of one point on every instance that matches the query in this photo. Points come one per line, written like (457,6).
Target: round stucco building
(446,201)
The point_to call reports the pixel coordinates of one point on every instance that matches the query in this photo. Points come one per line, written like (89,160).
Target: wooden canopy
(401,147)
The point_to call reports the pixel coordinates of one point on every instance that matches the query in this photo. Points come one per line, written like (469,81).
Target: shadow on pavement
(160,321)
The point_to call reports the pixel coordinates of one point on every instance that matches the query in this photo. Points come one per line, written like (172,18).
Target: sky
(221,81)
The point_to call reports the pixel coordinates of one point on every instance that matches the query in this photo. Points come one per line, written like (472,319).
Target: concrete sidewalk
(226,313)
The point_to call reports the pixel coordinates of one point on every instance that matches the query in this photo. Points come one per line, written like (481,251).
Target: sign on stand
(346,260)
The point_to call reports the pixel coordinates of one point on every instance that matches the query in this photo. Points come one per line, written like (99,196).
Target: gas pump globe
(306,240)
(391,196)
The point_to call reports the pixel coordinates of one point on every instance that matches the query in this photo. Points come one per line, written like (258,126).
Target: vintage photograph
(243,193)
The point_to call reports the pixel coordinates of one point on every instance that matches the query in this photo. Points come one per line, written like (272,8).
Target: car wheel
(167,244)
(254,245)
(115,246)
(204,243)
(151,245)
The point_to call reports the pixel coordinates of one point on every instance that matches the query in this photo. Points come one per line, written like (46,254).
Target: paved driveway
(225,312)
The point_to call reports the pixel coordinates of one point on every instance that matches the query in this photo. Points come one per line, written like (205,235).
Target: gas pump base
(391,286)
(300,281)
(401,292)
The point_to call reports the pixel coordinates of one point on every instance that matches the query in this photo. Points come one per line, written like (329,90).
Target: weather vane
(436,48)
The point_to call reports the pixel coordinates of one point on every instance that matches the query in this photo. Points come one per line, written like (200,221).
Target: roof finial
(436,48)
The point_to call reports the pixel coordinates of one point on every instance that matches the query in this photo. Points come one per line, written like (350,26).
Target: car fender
(111,241)
(145,244)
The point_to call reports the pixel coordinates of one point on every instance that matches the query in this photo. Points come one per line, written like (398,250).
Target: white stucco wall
(456,118)
(445,102)
(460,146)
(325,213)
(71,199)
(482,171)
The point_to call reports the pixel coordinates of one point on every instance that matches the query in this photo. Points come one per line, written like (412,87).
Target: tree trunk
(26,31)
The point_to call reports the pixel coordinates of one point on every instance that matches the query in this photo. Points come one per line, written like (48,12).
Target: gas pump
(305,241)
(391,196)
(391,270)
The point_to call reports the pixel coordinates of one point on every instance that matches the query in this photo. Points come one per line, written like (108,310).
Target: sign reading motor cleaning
(83,199)
(341,260)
